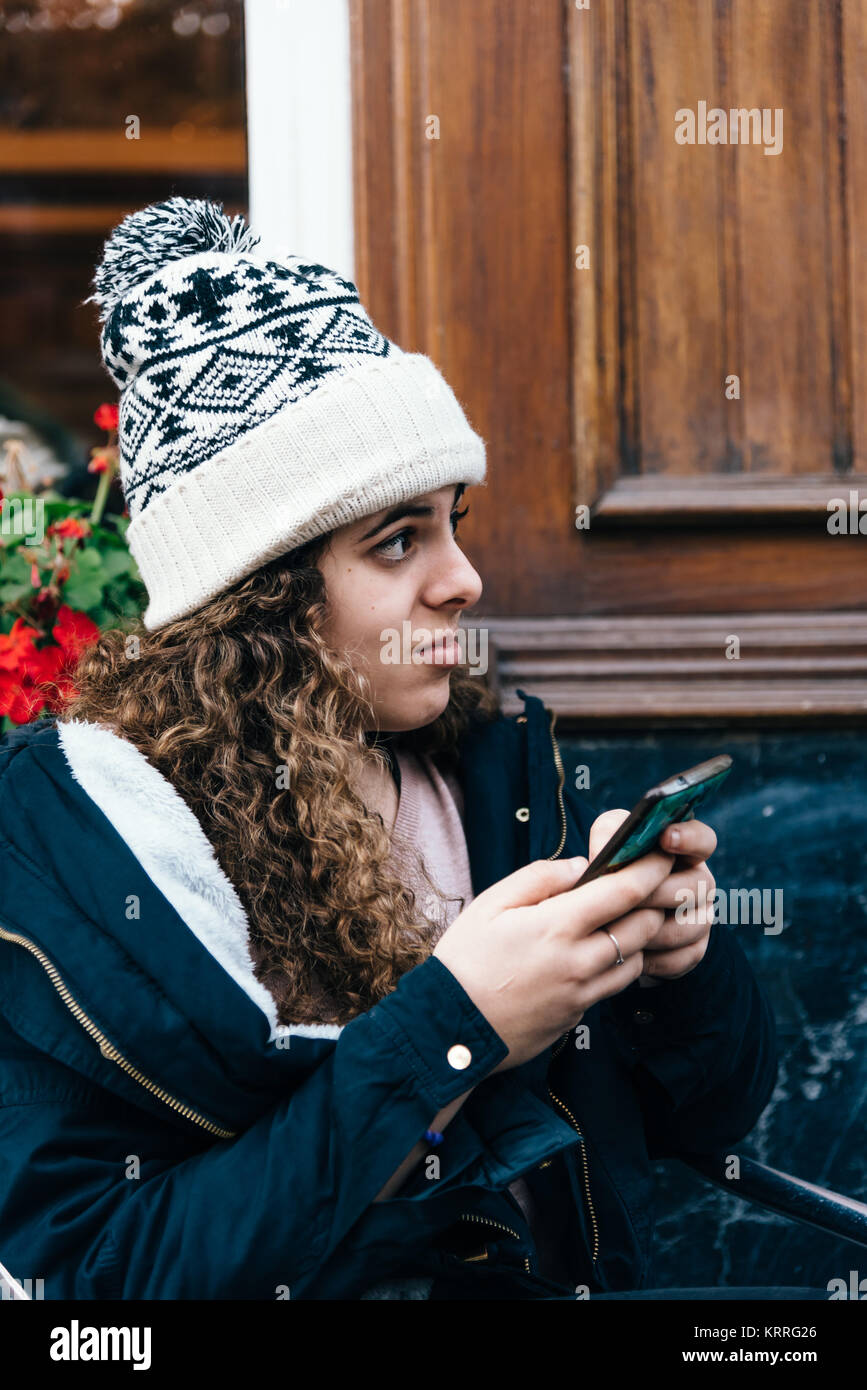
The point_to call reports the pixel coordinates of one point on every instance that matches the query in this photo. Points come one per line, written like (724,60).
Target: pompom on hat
(259,406)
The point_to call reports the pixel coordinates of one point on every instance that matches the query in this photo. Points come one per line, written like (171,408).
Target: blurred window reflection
(104,108)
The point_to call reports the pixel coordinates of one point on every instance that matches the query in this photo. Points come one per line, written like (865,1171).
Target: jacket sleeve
(249,1216)
(704,1051)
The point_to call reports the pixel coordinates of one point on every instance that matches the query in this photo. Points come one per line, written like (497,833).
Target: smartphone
(660,807)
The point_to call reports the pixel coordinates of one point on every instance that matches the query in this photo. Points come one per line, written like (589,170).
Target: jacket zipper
(107,1048)
(558,1101)
(471,1216)
(485,1221)
(558,762)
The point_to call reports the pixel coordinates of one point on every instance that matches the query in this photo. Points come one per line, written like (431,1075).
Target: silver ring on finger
(619,960)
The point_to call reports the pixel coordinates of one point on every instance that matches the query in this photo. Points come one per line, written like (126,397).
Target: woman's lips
(443,651)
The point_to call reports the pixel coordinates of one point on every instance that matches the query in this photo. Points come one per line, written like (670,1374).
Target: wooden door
(631,236)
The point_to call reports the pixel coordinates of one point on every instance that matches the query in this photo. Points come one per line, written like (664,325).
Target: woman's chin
(423,708)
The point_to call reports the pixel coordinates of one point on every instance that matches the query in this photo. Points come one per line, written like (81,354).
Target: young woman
(297,998)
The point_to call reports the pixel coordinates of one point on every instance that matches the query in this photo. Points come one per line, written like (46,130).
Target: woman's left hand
(679,946)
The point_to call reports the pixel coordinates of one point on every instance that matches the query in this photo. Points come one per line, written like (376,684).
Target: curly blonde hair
(262,730)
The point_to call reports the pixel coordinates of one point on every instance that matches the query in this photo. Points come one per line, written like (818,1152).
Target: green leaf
(14,578)
(82,594)
(83,597)
(14,593)
(116,562)
(89,560)
(105,539)
(102,616)
(83,588)
(57,508)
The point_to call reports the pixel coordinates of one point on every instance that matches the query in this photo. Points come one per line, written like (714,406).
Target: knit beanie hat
(259,407)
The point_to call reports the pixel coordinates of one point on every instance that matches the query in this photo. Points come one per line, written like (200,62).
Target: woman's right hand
(529,950)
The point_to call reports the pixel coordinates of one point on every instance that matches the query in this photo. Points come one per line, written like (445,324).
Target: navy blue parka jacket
(158,1139)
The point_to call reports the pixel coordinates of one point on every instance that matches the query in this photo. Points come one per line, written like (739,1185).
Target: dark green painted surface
(792,817)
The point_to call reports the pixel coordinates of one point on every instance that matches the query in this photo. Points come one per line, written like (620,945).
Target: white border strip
(299,129)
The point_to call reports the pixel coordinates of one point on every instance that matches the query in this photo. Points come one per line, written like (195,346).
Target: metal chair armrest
(789,1196)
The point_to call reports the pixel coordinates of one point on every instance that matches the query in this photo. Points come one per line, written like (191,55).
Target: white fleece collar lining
(166,838)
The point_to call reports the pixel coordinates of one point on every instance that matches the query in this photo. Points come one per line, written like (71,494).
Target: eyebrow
(397,513)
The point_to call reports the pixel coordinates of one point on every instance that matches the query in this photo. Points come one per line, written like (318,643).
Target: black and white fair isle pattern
(212,347)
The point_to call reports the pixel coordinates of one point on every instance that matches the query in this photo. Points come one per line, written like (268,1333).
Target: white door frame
(299,129)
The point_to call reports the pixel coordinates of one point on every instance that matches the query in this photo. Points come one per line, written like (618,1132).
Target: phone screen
(654,813)
(663,814)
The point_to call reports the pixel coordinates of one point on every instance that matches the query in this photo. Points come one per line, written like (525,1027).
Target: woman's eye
(385,547)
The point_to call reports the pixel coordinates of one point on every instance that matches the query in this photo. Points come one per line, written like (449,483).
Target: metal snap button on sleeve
(522,813)
(459,1056)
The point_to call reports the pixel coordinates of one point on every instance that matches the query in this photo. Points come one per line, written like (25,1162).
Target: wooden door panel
(728,262)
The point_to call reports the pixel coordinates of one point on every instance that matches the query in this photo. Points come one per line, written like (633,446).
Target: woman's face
(401,566)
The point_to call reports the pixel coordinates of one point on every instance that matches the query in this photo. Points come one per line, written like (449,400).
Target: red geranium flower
(15,645)
(106,417)
(69,526)
(18,698)
(73,632)
(22,702)
(30,677)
